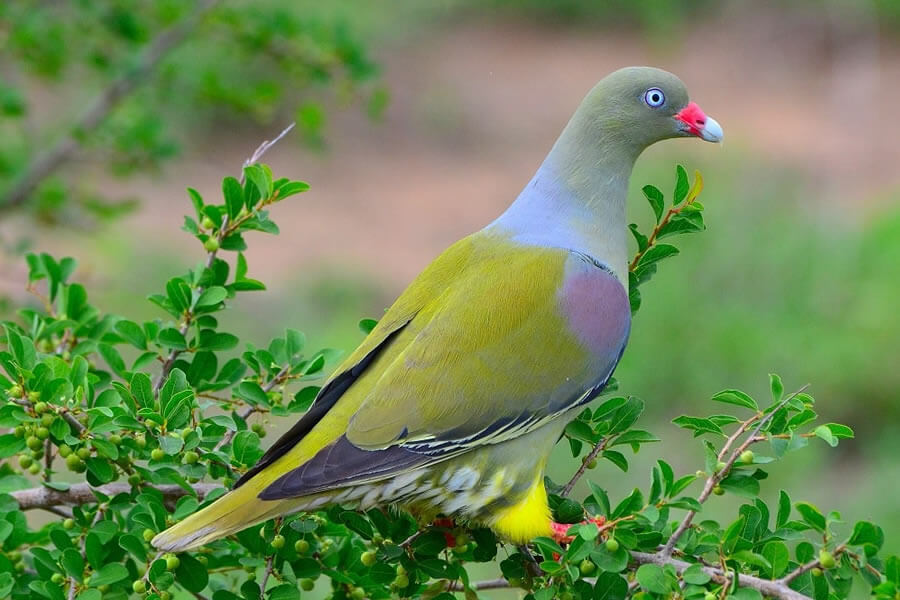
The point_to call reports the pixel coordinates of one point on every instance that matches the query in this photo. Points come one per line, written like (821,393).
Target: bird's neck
(576,200)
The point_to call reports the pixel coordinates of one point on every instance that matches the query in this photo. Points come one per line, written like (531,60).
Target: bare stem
(594,453)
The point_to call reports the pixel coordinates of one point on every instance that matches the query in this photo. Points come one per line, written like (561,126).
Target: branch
(224,231)
(719,474)
(82,493)
(48,162)
(251,409)
(767,587)
(595,451)
(490,584)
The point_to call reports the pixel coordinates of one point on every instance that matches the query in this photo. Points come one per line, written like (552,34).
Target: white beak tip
(712,131)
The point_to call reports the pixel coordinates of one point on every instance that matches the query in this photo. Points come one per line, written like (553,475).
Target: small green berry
(720,465)
(566,596)
(19,431)
(139,587)
(612,545)
(164,595)
(191,457)
(115,439)
(20,566)
(587,567)
(34,469)
(368,558)
(278,542)
(150,423)
(718,491)
(34,396)
(72,461)
(378,539)
(157,454)
(40,407)
(186,432)
(57,578)
(826,559)
(301,546)
(25,461)
(816,572)
(401,570)
(47,420)
(747,457)
(141,441)
(149,534)
(134,479)
(211,245)
(307,584)
(709,596)
(357,593)
(14,556)
(33,442)
(207,223)
(700,474)
(591,464)
(401,581)
(15,391)
(69,524)
(172,562)
(83,453)
(42,433)
(460,548)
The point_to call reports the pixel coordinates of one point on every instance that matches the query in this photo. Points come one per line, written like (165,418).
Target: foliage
(110,83)
(160,417)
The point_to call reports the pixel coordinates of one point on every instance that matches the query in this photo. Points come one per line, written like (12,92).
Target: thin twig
(279,378)
(490,584)
(265,579)
(48,162)
(594,453)
(813,564)
(716,476)
(263,148)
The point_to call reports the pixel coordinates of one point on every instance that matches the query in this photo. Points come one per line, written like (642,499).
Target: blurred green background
(799,273)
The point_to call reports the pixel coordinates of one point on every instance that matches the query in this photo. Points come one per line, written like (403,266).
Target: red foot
(447,525)
(558,530)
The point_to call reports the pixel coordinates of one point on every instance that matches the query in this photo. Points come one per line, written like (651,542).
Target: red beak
(699,124)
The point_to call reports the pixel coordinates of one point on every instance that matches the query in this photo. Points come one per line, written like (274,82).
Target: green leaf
(776,552)
(811,515)
(142,389)
(252,393)
(865,532)
(245,447)
(777,387)
(112,358)
(736,397)
(286,591)
(695,575)
(73,563)
(216,340)
(682,186)
(132,333)
(109,573)
(234,196)
(824,433)
(11,445)
(172,338)
(751,558)
(656,200)
(653,579)
(610,586)
(657,253)
(211,296)
(179,294)
(191,574)
(740,484)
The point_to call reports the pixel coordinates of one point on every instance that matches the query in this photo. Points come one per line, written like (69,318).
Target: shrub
(119,429)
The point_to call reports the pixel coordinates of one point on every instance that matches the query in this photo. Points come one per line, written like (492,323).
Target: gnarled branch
(82,493)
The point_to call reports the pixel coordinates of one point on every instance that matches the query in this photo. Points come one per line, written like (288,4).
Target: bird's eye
(654,97)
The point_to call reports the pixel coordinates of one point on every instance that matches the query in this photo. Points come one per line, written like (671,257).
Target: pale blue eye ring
(654,97)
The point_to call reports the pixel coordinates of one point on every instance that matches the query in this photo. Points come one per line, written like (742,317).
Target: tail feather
(233,512)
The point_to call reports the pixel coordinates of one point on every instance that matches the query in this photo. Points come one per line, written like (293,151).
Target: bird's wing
(513,337)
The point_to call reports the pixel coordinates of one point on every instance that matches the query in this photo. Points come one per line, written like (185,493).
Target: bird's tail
(236,510)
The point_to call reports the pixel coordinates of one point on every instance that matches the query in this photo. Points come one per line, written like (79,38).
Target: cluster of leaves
(283,56)
(120,429)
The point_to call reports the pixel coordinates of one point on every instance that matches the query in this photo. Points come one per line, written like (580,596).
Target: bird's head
(643,105)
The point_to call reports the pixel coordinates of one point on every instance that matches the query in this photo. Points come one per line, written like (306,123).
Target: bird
(452,404)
